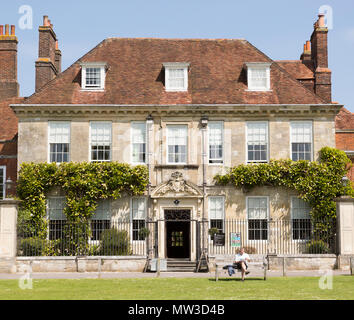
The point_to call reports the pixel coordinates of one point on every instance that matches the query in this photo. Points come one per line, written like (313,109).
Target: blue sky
(278,28)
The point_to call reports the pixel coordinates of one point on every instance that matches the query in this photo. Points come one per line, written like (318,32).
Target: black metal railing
(94,238)
(262,236)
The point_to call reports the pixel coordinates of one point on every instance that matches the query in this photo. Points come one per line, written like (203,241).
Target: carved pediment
(177,187)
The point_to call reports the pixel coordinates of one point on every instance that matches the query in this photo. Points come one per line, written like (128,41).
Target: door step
(181,265)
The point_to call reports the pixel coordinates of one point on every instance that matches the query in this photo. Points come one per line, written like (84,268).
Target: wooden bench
(263,265)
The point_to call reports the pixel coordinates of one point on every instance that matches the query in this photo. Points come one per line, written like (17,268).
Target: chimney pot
(12,30)
(45,21)
(308,45)
(1,30)
(56,45)
(321,21)
(6,29)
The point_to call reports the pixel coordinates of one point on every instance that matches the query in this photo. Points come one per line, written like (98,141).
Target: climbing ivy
(84,184)
(318,183)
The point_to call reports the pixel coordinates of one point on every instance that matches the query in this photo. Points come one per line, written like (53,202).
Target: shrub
(32,247)
(115,243)
(144,233)
(317,246)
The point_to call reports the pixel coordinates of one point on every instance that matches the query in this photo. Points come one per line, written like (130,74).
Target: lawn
(299,288)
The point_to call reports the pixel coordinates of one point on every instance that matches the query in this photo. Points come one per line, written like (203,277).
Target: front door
(178,233)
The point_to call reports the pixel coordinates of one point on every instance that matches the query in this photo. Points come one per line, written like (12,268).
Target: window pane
(257,141)
(138,209)
(59,141)
(56,208)
(216,208)
(93,77)
(215,142)
(177,143)
(138,142)
(101,141)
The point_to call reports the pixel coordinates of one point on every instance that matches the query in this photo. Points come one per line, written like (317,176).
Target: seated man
(241,260)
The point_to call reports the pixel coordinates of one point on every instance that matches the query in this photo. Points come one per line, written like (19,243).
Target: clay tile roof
(135,75)
(8,119)
(298,69)
(345,120)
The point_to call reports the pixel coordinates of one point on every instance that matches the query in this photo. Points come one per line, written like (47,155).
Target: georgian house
(189,109)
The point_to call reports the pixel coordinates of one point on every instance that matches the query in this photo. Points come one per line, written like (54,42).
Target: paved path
(135,275)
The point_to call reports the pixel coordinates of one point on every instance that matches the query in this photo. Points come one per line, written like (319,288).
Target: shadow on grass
(237,279)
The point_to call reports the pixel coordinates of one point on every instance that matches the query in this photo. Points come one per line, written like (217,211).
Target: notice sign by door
(235,240)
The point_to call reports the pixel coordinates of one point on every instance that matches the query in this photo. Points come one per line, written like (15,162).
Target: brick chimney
(306,55)
(9,87)
(48,64)
(319,56)
(57,57)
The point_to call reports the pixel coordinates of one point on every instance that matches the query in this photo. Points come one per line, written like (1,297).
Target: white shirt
(242,257)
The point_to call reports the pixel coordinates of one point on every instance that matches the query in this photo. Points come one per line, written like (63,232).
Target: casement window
(301,140)
(93,76)
(56,217)
(217,213)
(59,141)
(177,143)
(101,141)
(138,136)
(2,182)
(216,142)
(257,213)
(258,76)
(257,141)
(300,218)
(176,76)
(138,214)
(101,220)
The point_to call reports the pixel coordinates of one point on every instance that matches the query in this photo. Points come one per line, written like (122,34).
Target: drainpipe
(149,123)
(204,125)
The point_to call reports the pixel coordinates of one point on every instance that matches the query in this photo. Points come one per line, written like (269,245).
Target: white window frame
(187,143)
(47,206)
(131,218)
(247,220)
(292,218)
(3,183)
(174,66)
(267,133)
(109,202)
(90,140)
(251,67)
(311,138)
(223,212)
(49,129)
(222,144)
(48,215)
(99,65)
(131,144)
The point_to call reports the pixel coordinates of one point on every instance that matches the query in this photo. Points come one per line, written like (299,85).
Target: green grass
(299,288)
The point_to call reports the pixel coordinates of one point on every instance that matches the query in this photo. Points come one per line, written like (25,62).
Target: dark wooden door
(178,236)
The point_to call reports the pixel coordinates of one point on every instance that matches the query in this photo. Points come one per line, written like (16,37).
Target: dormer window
(176,76)
(258,76)
(93,76)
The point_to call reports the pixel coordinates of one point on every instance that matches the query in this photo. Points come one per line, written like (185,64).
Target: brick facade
(345,136)
(8,63)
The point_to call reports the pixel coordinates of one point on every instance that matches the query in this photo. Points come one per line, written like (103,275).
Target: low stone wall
(81,264)
(291,262)
(303,262)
